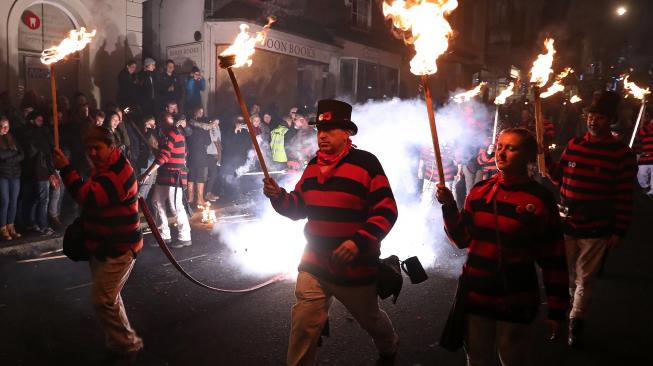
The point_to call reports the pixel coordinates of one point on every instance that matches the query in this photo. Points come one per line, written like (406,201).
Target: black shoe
(576,326)
(181,244)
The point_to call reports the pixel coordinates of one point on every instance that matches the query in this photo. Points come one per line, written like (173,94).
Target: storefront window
(375,82)
(347,80)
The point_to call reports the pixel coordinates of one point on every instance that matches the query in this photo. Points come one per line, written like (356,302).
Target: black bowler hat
(333,113)
(607,104)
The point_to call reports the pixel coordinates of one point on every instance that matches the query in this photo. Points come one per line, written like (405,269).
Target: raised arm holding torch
(237,55)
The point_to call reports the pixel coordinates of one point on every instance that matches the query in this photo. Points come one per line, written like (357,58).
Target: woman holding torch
(509,224)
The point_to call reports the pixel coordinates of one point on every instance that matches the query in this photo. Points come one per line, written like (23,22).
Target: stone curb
(31,247)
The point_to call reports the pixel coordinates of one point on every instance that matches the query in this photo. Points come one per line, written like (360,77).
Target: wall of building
(119,37)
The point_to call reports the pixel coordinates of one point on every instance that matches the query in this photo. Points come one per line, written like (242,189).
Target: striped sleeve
(624,188)
(291,204)
(457,224)
(96,192)
(165,151)
(382,210)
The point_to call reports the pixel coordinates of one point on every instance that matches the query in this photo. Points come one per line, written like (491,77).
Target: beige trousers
(584,258)
(309,314)
(485,338)
(109,277)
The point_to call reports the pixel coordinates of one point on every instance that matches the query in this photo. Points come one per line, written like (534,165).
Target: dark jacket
(10,159)
(127,88)
(37,143)
(163,82)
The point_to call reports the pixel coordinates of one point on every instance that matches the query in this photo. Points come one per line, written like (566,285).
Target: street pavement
(46,317)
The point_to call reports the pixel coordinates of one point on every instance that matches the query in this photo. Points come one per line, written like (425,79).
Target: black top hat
(333,113)
(606,104)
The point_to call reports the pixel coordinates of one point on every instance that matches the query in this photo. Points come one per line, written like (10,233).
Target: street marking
(78,286)
(51,252)
(185,260)
(41,259)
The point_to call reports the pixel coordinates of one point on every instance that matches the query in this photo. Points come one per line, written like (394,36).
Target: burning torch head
(333,113)
(606,104)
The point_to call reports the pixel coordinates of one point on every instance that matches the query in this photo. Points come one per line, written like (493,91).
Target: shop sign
(295,49)
(185,56)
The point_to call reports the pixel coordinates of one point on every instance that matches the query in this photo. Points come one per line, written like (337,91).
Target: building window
(362,81)
(361,14)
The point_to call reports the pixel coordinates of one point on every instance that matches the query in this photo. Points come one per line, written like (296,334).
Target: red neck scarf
(327,162)
(501,180)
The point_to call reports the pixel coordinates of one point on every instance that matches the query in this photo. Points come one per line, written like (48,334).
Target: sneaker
(211,197)
(181,244)
(47,231)
(33,228)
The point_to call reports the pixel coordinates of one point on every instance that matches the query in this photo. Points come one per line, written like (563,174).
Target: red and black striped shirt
(172,159)
(596,180)
(487,163)
(507,228)
(356,204)
(430,173)
(644,147)
(109,201)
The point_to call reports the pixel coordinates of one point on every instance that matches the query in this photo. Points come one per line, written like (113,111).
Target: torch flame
(575,99)
(468,95)
(503,96)
(76,41)
(541,70)
(243,46)
(423,24)
(557,86)
(635,90)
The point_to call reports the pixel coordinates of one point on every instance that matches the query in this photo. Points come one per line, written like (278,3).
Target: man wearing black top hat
(350,207)
(595,174)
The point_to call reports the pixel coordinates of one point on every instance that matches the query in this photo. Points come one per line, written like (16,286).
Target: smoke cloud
(394,131)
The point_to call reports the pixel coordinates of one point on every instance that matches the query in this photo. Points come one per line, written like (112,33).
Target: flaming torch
(422,23)
(468,95)
(641,94)
(557,86)
(237,55)
(540,74)
(76,41)
(501,100)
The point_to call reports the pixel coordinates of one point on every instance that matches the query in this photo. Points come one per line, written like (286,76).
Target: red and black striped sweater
(644,146)
(596,180)
(430,169)
(109,201)
(508,228)
(172,159)
(356,204)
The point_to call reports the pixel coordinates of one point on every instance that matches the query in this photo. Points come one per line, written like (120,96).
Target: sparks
(468,95)
(422,24)
(541,70)
(208,215)
(503,96)
(243,46)
(76,41)
(635,90)
(557,86)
